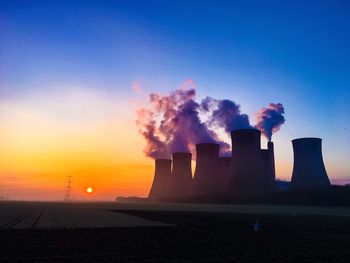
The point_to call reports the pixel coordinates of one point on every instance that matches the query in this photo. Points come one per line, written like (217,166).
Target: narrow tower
(161,180)
(68,189)
(269,158)
(308,170)
(272,169)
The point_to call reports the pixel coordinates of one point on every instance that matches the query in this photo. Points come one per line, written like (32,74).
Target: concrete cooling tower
(224,168)
(206,177)
(308,169)
(181,176)
(248,176)
(159,190)
(224,173)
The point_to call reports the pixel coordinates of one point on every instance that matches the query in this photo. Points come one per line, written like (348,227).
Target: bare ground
(182,236)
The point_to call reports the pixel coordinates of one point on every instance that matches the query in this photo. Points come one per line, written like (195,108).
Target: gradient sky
(68,70)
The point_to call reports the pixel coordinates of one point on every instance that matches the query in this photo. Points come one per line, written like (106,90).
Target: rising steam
(172,122)
(155,146)
(225,114)
(270,119)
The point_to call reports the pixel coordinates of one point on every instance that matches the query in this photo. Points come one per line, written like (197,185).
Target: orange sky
(80,133)
(85,133)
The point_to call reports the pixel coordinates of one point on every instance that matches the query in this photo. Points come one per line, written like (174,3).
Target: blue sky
(253,52)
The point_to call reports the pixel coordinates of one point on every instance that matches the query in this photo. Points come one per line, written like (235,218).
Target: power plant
(206,176)
(249,174)
(181,182)
(269,157)
(308,170)
(224,171)
(161,180)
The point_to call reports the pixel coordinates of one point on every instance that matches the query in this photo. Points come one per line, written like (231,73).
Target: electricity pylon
(68,189)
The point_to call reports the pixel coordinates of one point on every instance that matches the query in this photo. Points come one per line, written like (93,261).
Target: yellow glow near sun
(89,190)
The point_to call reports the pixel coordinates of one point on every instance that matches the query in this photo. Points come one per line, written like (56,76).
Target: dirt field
(172,233)
(38,215)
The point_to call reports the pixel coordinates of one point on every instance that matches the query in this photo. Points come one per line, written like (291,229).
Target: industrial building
(308,169)
(206,181)
(181,182)
(249,174)
(161,180)
(224,171)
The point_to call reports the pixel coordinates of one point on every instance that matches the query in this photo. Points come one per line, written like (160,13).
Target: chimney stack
(308,170)
(161,180)
(181,176)
(206,177)
(272,168)
(269,158)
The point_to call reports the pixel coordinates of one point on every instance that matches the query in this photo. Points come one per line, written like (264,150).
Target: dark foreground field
(195,237)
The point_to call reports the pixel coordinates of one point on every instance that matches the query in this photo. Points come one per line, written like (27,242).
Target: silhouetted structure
(68,189)
(249,174)
(181,176)
(271,165)
(269,158)
(206,177)
(282,186)
(224,172)
(334,195)
(161,180)
(308,170)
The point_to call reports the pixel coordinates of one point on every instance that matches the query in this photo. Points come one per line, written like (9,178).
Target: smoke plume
(155,147)
(270,119)
(172,124)
(225,114)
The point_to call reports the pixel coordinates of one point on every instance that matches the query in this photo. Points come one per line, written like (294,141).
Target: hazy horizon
(73,74)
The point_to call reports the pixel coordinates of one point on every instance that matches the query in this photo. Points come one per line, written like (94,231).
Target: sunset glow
(70,86)
(89,190)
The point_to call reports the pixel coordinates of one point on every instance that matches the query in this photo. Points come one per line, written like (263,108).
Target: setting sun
(89,190)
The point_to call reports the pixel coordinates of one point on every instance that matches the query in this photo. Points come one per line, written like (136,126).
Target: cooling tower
(246,139)
(248,176)
(161,180)
(308,169)
(206,176)
(224,168)
(181,176)
(224,172)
